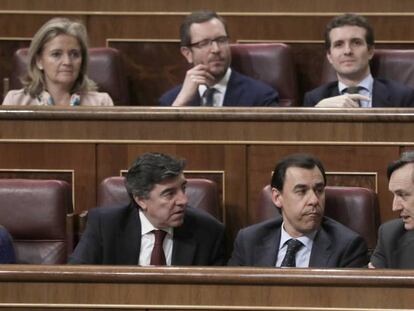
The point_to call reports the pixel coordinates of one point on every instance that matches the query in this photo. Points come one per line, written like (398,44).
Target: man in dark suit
(303,237)
(157,228)
(395,247)
(211,81)
(349,43)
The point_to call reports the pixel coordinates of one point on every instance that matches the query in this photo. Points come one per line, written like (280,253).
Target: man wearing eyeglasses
(211,81)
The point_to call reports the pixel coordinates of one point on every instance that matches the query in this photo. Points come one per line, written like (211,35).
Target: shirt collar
(219,86)
(147,227)
(306,240)
(367,83)
(46,99)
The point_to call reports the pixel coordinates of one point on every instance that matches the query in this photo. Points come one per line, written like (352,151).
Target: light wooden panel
(179,288)
(222,6)
(53,158)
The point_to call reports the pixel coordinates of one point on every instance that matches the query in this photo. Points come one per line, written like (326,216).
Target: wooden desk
(237,147)
(30,287)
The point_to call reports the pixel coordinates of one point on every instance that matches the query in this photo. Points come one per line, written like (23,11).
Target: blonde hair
(34,82)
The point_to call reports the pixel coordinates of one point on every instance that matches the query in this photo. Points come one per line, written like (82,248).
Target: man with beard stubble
(211,81)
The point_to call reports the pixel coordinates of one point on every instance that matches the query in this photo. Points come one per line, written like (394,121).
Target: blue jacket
(241,91)
(386,93)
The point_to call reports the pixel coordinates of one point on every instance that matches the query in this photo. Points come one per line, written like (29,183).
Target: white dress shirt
(303,254)
(221,87)
(148,239)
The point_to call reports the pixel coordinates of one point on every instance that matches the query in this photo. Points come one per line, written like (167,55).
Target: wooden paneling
(77,160)
(152,67)
(240,143)
(180,288)
(221,6)
(249,26)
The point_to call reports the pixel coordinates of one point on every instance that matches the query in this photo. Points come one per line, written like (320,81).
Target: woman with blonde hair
(57,65)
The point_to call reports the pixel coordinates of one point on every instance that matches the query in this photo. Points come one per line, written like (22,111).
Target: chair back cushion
(271,63)
(202,193)
(34,212)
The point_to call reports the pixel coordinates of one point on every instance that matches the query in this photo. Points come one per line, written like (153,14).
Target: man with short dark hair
(349,43)
(157,227)
(395,247)
(303,237)
(211,81)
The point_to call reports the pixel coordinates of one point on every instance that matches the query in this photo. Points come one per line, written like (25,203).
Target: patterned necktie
(290,257)
(354,90)
(157,255)
(207,99)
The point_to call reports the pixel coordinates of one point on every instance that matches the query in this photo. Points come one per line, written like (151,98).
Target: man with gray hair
(395,247)
(157,227)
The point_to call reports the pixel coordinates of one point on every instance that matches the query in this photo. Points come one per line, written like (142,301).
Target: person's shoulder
(109,211)
(336,229)
(201,216)
(393,85)
(269,224)
(168,97)
(17,97)
(239,77)
(393,227)
(3,230)
(94,98)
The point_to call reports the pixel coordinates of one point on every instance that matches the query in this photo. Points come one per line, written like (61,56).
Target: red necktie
(157,255)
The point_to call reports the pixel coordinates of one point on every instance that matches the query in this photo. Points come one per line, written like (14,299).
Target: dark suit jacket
(395,247)
(334,246)
(241,91)
(113,237)
(6,247)
(385,93)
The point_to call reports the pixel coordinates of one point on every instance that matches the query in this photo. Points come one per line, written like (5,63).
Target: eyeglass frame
(206,43)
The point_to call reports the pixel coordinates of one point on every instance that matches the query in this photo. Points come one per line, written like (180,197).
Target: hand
(342,101)
(194,77)
(371,266)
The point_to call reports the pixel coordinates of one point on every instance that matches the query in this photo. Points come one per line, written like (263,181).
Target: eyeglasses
(206,43)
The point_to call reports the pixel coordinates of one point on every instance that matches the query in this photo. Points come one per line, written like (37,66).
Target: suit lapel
(231,98)
(321,250)
(380,95)
(184,246)
(266,253)
(128,240)
(332,90)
